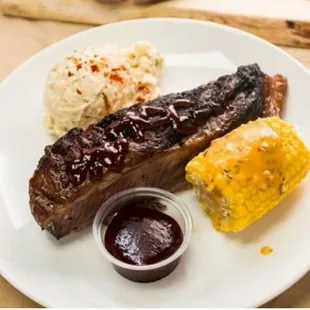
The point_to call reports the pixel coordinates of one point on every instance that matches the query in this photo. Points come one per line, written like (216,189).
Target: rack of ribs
(144,145)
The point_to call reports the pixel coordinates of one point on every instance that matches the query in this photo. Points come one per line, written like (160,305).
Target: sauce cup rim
(152,192)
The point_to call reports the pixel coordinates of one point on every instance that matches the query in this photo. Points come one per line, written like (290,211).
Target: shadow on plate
(72,238)
(269,220)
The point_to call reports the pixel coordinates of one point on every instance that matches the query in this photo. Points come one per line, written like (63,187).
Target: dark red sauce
(94,163)
(142,236)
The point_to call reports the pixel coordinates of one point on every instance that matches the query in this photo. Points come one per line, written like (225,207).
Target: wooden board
(282,22)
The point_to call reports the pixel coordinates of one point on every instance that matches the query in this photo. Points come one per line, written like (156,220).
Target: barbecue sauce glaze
(94,163)
(142,236)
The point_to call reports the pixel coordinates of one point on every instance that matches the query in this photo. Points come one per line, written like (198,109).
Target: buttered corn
(246,173)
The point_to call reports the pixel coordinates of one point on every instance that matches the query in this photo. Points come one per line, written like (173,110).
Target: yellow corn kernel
(246,173)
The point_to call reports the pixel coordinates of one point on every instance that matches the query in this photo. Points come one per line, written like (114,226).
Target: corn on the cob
(246,173)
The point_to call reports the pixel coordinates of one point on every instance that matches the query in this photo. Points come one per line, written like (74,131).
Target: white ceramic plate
(217,270)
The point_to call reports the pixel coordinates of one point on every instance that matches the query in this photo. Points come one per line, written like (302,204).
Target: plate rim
(259,301)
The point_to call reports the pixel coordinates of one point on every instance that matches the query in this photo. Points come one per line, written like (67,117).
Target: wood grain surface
(283,22)
(20,39)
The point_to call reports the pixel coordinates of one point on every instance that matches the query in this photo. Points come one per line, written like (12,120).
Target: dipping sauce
(142,236)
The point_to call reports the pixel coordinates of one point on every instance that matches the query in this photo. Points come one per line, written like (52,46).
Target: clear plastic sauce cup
(173,207)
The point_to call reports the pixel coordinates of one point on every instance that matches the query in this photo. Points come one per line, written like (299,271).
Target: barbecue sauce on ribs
(111,155)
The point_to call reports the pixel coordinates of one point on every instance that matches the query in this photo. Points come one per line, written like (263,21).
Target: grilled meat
(144,145)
